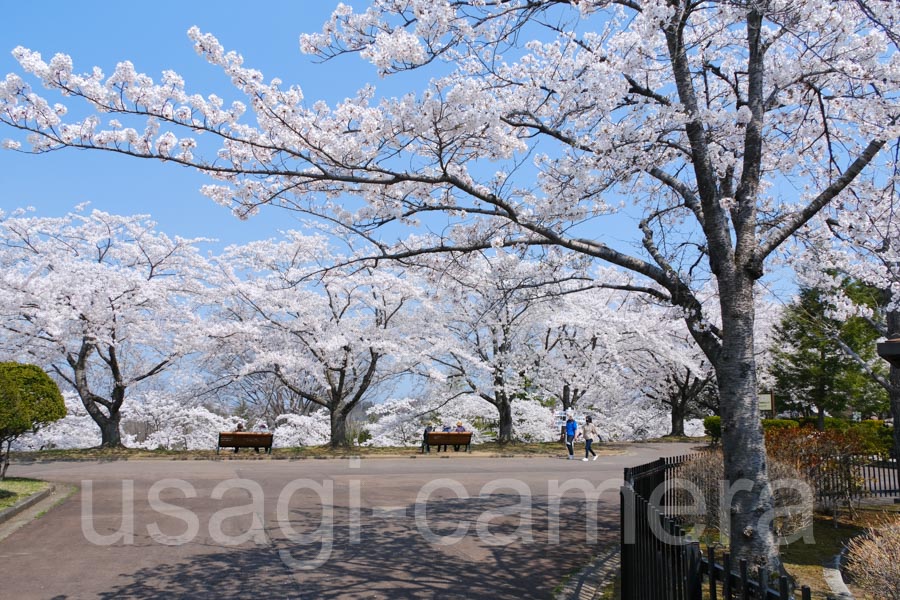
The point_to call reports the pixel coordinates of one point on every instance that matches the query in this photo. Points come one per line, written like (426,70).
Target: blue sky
(153,36)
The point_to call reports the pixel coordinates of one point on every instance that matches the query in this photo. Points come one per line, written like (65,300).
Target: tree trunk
(567,401)
(752,535)
(678,410)
(5,464)
(339,432)
(109,431)
(506,422)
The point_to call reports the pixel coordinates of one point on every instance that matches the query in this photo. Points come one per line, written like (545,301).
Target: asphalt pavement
(451,526)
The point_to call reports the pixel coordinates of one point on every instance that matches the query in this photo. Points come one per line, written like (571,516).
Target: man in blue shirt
(571,429)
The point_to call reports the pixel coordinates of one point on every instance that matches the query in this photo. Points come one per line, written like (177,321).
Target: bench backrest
(448,437)
(245,439)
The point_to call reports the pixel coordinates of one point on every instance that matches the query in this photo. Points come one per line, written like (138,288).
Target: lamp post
(890,351)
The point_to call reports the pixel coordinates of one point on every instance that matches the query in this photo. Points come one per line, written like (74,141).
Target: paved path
(463,526)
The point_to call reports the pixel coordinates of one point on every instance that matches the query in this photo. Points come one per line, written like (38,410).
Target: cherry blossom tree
(103,301)
(292,430)
(490,302)
(76,430)
(333,340)
(671,370)
(401,421)
(541,118)
(578,342)
(167,420)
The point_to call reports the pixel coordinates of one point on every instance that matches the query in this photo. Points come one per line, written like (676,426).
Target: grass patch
(14,489)
(488,448)
(804,561)
(700,441)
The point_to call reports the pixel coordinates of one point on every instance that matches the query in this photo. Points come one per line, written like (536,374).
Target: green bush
(831,423)
(29,399)
(769,424)
(712,426)
(875,436)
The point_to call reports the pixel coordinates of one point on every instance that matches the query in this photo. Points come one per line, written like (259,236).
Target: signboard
(766,401)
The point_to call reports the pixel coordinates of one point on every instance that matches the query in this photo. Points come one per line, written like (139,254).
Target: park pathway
(455,527)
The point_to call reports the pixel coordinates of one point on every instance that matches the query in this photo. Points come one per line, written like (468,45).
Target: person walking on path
(571,431)
(590,434)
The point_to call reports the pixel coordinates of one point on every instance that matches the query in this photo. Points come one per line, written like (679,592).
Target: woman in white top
(590,434)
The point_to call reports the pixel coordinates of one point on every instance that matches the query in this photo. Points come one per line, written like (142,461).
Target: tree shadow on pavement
(394,554)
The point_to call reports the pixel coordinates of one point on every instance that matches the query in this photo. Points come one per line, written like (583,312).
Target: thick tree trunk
(752,504)
(678,419)
(506,422)
(339,432)
(111,437)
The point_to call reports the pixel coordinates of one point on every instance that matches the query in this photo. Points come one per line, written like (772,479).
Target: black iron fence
(855,476)
(660,562)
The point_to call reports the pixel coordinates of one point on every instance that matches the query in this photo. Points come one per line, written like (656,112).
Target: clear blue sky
(153,36)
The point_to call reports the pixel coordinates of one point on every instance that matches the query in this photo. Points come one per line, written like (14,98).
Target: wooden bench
(245,439)
(445,438)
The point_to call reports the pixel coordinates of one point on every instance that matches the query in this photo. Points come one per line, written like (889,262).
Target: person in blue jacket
(571,431)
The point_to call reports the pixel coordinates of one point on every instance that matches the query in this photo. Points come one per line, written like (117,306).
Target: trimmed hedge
(779,424)
(29,399)
(713,426)
(831,423)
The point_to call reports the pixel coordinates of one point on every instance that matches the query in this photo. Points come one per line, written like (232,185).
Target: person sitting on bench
(459,428)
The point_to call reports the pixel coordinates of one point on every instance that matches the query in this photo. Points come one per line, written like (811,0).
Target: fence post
(712,572)
(626,542)
(726,577)
(764,584)
(745,579)
(694,588)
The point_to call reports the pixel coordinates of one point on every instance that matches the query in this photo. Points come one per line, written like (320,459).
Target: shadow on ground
(393,554)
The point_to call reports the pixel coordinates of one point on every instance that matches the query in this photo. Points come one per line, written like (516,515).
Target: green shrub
(29,399)
(831,423)
(770,424)
(712,426)
(875,436)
